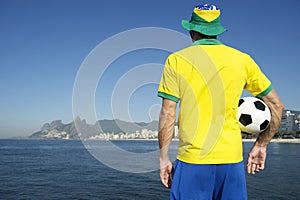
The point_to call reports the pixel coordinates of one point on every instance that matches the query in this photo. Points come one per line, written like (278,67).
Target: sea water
(64,169)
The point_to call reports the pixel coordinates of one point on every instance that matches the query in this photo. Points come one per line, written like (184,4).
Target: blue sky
(43,43)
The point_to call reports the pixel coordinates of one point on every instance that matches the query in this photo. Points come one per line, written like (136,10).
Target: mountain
(57,130)
(103,129)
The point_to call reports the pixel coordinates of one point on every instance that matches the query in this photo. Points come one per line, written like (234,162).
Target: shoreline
(277,140)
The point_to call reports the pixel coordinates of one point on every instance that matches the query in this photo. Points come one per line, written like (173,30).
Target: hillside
(57,130)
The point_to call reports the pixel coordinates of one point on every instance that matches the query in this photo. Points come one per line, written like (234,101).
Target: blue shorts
(206,181)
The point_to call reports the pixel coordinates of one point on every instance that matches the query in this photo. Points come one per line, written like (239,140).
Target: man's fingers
(260,167)
(165,173)
(256,160)
(253,168)
(257,169)
(164,176)
(165,181)
(249,164)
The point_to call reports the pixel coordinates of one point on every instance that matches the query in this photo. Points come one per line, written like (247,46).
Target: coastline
(277,140)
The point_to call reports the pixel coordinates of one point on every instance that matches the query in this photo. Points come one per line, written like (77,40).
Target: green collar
(206,41)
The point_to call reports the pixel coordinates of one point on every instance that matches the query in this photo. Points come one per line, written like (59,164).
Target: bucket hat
(206,20)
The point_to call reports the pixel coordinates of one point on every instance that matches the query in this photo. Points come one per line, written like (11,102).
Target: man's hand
(166,173)
(257,159)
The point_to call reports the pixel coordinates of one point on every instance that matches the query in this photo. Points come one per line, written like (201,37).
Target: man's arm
(257,156)
(167,119)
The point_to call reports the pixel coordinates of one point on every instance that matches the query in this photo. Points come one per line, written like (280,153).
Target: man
(208,79)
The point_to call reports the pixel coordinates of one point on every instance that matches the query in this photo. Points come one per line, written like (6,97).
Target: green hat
(206,20)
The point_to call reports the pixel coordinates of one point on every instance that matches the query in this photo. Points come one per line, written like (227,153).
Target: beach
(278,140)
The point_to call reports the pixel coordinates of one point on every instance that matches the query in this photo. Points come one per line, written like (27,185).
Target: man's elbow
(274,102)
(277,110)
(280,106)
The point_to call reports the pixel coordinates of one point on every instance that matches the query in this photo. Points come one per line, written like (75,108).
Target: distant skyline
(43,44)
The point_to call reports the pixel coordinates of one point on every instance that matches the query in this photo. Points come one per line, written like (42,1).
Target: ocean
(65,169)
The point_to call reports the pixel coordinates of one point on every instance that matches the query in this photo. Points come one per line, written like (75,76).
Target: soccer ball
(253,115)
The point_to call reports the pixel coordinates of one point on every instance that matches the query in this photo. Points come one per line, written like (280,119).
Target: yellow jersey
(208,79)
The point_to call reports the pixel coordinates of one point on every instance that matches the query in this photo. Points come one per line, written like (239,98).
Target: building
(289,122)
(297,121)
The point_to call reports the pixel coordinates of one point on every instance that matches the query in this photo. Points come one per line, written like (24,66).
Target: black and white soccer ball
(253,115)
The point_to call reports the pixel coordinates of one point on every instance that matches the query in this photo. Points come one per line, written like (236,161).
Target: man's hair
(208,36)
(205,36)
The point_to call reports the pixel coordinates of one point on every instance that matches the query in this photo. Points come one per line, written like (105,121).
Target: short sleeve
(257,83)
(168,87)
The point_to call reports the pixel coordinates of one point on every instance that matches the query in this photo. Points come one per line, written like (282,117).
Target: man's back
(208,78)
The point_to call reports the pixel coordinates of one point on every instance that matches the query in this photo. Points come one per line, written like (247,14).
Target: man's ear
(193,35)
